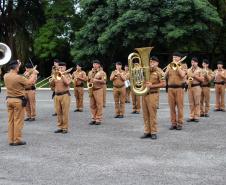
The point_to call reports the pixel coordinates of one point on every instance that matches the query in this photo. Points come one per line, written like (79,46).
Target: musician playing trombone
(175,77)
(61,84)
(30,93)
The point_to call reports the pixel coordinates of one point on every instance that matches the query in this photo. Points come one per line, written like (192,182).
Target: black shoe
(55,114)
(92,122)
(117,116)
(145,136)
(76,110)
(58,131)
(215,110)
(11,144)
(179,127)
(202,115)
(134,112)
(196,120)
(27,119)
(137,112)
(207,115)
(190,120)
(97,123)
(120,116)
(64,132)
(153,136)
(32,119)
(173,127)
(19,143)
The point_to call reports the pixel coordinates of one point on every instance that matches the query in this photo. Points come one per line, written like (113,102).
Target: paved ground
(113,154)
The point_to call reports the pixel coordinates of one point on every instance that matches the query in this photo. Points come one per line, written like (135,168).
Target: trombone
(173,65)
(56,76)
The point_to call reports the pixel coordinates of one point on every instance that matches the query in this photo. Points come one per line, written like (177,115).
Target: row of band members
(19,87)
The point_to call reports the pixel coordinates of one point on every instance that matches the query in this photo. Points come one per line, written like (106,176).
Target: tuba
(139,70)
(5,54)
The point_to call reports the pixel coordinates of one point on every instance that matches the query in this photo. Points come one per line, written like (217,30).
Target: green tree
(18,21)
(114,27)
(54,37)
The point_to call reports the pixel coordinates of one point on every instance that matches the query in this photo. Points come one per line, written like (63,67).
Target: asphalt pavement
(113,153)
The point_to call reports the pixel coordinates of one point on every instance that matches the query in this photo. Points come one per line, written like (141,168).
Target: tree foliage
(18,21)
(112,28)
(53,38)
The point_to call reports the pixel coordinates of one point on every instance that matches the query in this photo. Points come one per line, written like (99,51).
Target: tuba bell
(139,70)
(5,54)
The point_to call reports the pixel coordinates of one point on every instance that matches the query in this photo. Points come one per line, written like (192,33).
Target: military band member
(150,100)
(104,90)
(63,100)
(128,90)
(161,71)
(175,84)
(119,91)
(219,81)
(79,77)
(205,85)
(96,81)
(54,69)
(16,101)
(136,103)
(194,80)
(30,94)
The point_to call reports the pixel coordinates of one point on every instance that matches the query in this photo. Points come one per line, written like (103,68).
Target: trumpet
(173,65)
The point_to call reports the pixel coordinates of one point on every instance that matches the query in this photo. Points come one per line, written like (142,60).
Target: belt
(79,85)
(62,93)
(31,88)
(119,86)
(152,92)
(219,83)
(205,85)
(175,86)
(22,98)
(18,97)
(194,85)
(95,89)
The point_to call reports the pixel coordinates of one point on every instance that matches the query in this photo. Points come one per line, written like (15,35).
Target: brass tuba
(5,54)
(139,70)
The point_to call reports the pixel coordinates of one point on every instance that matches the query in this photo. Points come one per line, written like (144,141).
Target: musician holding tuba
(119,91)
(61,85)
(150,99)
(30,93)
(175,83)
(194,91)
(96,81)
(79,77)
(219,81)
(205,86)
(16,101)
